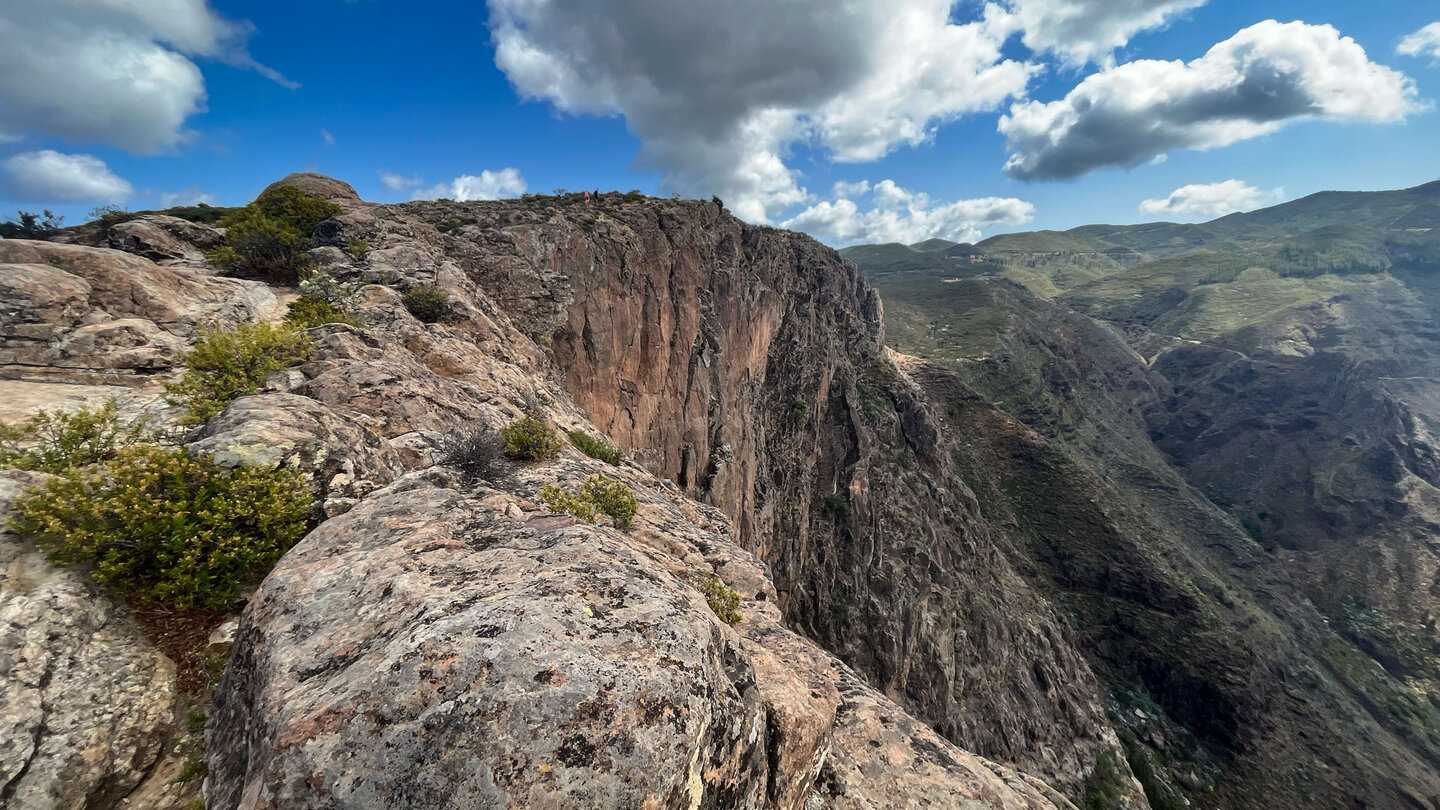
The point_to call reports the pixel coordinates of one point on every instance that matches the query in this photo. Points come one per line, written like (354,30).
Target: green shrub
(530,439)
(428,303)
(559,501)
(225,365)
(723,600)
(53,441)
(318,284)
(31,226)
(596,448)
(167,527)
(267,239)
(611,497)
(356,248)
(599,495)
(478,454)
(307,312)
(194,768)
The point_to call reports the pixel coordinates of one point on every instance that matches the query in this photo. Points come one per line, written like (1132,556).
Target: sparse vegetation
(167,527)
(54,441)
(225,365)
(611,497)
(268,238)
(799,415)
(428,303)
(477,454)
(307,312)
(723,600)
(29,225)
(194,768)
(599,495)
(356,248)
(530,439)
(1104,787)
(596,448)
(560,501)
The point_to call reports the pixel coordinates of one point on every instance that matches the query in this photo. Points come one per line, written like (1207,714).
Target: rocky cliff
(443,642)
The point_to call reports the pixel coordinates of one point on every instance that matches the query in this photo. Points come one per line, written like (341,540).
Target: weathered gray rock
(85,703)
(164,239)
(80,314)
(441,648)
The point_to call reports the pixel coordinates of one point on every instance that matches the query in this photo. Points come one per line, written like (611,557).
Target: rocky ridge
(444,633)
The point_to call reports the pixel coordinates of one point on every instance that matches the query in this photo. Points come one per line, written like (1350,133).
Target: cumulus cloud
(48,176)
(1203,201)
(1080,31)
(487,185)
(1425,42)
(1254,83)
(718,91)
(191,195)
(898,215)
(112,71)
(398,182)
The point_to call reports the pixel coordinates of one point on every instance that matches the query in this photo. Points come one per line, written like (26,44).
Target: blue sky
(940,119)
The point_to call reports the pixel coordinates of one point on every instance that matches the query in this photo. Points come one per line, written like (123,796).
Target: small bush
(167,527)
(32,226)
(559,501)
(611,497)
(225,365)
(267,239)
(723,600)
(596,448)
(307,312)
(194,768)
(478,454)
(530,439)
(356,248)
(599,495)
(428,303)
(321,286)
(54,441)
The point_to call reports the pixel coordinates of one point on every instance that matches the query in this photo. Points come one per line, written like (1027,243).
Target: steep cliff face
(746,365)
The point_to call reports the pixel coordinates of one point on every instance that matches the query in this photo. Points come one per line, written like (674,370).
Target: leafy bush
(599,495)
(165,526)
(320,285)
(596,448)
(477,454)
(427,303)
(356,248)
(307,312)
(225,365)
(611,497)
(559,501)
(723,600)
(267,239)
(530,439)
(53,441)
(200,212)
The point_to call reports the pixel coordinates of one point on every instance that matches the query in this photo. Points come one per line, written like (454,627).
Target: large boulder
(336,191)
(165,239)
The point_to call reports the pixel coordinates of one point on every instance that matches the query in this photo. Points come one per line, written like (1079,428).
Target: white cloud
(898,215)
(1425,42)
(1254,83)
(49,176)
(487,185)
(1203,201)
(1080,31)
(327,138)
(398,182)
(112,71)
(192,195)
(719,90)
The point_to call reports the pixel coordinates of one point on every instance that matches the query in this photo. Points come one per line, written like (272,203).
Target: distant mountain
(1228,418)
